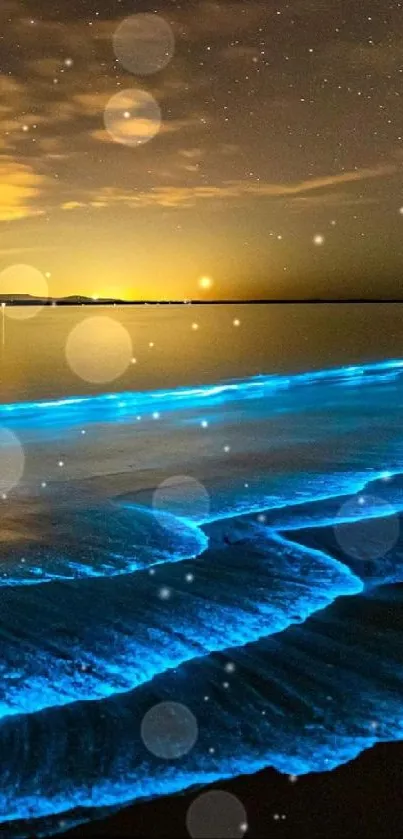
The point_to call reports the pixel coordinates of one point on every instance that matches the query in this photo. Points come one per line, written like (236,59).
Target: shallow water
(271,338)
(273,548)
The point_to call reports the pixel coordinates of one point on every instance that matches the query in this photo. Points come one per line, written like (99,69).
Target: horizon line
(84,300)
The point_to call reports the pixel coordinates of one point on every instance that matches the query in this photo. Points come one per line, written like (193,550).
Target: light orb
(99,349)
(205,283)
(144,44)
(369,528)
(25,281)
(132,117)
(12,460)
(216,813)
(182,496)
(169,730)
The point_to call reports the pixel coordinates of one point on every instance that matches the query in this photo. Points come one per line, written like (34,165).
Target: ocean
(200,558)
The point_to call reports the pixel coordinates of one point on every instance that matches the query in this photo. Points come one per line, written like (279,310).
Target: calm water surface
(270,338)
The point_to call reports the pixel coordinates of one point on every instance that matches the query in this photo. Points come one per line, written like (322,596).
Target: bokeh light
(132,117)
(216,813)
(12,460)
(374,532)
(99,349)
(169,730)
(23,280)
(144,44)
(205,283)
(182,496)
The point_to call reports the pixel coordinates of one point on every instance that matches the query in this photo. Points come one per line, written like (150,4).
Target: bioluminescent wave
(272,612)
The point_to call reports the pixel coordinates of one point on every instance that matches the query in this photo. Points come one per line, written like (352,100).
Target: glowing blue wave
(260,386)
(141,606)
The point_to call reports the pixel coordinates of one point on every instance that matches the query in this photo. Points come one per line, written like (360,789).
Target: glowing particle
(318,239)
(205,283)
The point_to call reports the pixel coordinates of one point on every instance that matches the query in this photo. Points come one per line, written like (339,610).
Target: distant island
(82,300)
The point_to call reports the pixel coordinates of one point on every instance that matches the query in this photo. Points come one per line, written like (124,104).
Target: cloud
(326,186)
(20,185)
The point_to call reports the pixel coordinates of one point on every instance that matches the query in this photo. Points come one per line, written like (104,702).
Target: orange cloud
(184,196)
(20,185)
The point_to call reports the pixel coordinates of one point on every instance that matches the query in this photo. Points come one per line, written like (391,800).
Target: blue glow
(259,386)
(260,581)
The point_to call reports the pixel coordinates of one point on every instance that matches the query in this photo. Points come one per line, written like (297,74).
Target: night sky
(257,145)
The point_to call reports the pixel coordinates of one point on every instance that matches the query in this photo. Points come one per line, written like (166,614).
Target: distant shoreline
(57,302)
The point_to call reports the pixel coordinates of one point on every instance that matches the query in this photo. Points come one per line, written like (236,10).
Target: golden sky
(263,150)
